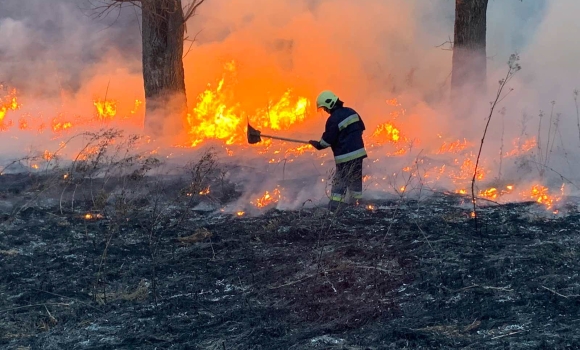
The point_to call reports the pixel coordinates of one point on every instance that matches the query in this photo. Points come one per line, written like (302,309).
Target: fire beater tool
(255,136)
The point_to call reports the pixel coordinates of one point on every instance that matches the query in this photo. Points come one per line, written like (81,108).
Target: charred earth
(112,271)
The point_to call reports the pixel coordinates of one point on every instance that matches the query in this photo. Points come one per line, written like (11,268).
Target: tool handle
(284,139)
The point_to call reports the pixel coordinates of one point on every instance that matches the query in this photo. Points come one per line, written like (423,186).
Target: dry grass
(199,235)
(452,330)
(139,294)
(10,252)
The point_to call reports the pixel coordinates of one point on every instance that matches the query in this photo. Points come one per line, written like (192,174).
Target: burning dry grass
(218,119)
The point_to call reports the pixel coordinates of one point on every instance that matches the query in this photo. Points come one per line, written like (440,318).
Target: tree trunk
(468,74)
(163,73)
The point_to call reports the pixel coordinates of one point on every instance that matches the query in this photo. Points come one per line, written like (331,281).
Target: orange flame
(268,198)
(387,131)
(541,194)
(106,109)
(204,192)
(89,216)
(217,116)
(8,103)
(453,147)
(137,106)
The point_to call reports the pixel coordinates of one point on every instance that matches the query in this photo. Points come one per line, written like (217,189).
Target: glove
(316,144)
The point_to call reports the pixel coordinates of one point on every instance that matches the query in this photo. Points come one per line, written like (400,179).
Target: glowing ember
(393,102)
(61,126)
(240,213)
(204,192)
(522,147)
(89,216)
(491,193)
(300,150)
(138,104)
(453,147)
(47,155)
(22,124)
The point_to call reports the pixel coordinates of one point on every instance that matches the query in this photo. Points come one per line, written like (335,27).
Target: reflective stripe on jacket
(343,133)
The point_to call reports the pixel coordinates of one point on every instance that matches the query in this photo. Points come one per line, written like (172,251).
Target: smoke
(46,47)
(367,51)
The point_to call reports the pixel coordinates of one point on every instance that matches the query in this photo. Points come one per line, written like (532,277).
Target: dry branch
(562,295)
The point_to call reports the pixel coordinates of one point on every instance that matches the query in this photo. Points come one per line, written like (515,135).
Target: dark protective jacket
(343,134)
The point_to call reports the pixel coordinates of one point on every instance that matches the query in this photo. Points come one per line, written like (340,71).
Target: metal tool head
(253,135)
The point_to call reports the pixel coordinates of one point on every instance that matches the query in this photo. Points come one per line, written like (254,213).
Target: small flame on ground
(204,192)
(521,147)
(89,216)
(491,193)
(106,109)
(453,147)
(240,213)
(136,107)
(268,198)
(387,132)
(541,195)
(8,103)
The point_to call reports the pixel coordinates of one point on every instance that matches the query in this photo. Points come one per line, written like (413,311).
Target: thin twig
(64,296)
(513,67)
(561,295)
(507,335)
(33,305)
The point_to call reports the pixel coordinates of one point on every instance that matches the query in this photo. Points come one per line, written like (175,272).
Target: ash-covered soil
(404,275)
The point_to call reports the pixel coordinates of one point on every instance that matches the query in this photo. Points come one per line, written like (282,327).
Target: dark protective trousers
(347,179)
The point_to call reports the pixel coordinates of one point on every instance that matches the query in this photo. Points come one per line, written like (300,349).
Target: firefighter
(343,134)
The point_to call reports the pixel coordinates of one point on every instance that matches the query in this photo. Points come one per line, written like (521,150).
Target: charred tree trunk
(469,56)
(163,73)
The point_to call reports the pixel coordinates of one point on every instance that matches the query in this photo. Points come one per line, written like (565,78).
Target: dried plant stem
(513,68)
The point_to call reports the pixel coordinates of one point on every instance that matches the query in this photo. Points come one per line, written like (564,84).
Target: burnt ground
(406,275)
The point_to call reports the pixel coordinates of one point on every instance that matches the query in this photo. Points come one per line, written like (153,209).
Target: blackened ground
(404,275)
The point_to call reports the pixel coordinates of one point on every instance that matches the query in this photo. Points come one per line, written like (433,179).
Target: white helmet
(326,99)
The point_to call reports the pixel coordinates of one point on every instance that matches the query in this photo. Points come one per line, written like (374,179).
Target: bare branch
(447,42)
(192,41)
(189,10)
(104,7)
